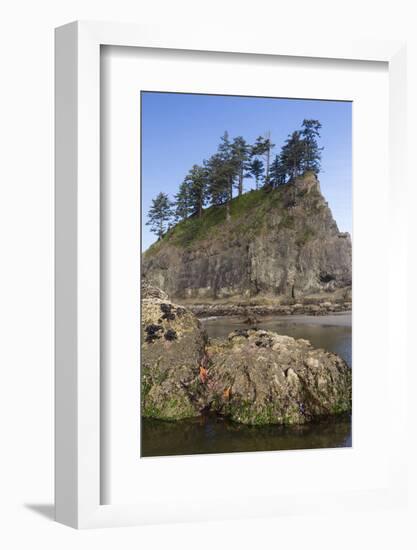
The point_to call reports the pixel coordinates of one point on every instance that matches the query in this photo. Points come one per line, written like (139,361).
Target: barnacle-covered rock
(260,377)
(172,351)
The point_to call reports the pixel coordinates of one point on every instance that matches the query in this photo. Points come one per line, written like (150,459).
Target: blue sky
(179,130)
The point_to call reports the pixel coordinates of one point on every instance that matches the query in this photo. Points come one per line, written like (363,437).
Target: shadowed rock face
(284,243)
(253,377)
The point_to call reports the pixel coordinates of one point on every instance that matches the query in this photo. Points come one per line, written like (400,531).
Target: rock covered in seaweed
(259,377)
(172,349)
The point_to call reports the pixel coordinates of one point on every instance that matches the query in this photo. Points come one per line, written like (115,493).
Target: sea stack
(281,243)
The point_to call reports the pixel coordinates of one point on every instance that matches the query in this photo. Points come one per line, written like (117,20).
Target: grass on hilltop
(248,214)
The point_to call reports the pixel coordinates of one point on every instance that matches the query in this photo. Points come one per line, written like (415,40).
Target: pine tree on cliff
(183,206)
(216,180)
(292,155)
(197,178)
(263,147)
(312,152)
(229,168)
(278,172)
(257,170)
(241,151)
(159,214)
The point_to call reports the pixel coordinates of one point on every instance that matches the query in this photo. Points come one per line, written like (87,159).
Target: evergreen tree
(292,155)
(229,169)
(183,206)
(263,147)
(197,181)
(217,183)
(241,152)
(257,170)
(159,214)
(312,152)
(235,160)
(278,173)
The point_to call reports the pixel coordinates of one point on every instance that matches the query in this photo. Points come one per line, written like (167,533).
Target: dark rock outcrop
(284,243)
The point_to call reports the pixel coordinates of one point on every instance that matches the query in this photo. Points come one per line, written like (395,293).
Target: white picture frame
(77,500)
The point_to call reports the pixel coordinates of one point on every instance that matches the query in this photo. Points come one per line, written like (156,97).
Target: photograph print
(246,274)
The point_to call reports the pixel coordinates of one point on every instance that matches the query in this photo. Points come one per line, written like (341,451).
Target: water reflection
(213,434)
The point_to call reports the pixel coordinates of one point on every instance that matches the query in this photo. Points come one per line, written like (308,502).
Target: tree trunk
(241,182)
(229,200)
(267,163)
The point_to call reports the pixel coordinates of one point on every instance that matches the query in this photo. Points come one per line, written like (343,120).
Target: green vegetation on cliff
(213,183)
(249,213)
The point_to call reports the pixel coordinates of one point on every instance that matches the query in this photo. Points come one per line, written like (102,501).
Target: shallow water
(212,434)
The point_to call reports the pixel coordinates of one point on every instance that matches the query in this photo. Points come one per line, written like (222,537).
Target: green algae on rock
(172,348)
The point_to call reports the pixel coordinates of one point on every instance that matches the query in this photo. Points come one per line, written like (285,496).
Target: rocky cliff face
(284,243)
